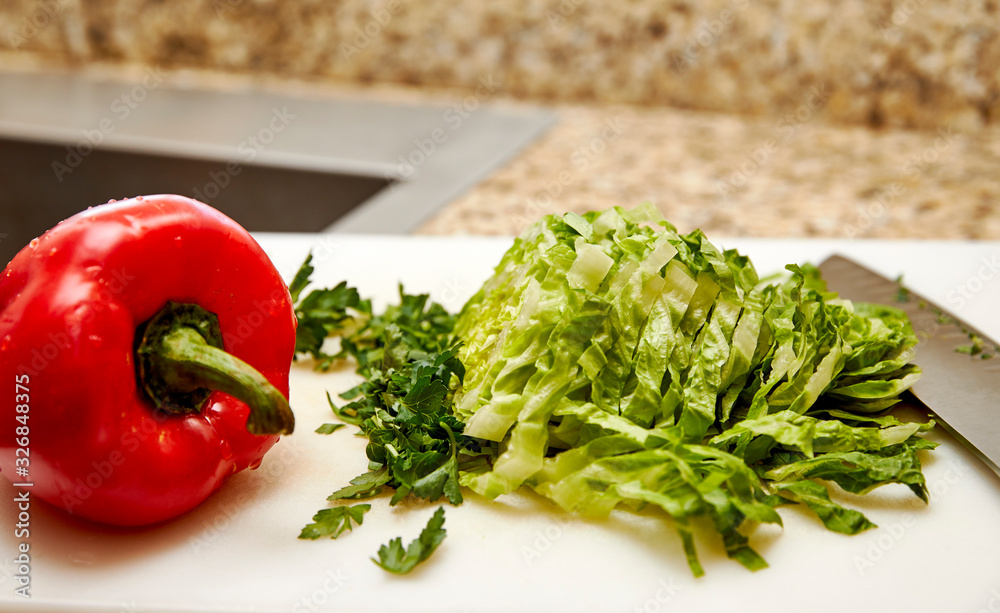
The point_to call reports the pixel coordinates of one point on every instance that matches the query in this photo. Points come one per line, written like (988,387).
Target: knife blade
(962,390)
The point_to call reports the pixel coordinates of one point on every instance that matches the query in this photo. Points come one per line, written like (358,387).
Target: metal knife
(963,390)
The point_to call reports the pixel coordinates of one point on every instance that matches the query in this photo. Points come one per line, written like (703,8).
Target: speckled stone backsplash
(911,63)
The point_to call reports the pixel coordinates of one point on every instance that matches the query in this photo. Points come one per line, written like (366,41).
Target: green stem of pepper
(180,361)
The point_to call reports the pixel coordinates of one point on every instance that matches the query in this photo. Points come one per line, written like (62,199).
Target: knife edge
(961,389)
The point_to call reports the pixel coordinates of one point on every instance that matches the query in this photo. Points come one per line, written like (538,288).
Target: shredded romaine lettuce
(617,362)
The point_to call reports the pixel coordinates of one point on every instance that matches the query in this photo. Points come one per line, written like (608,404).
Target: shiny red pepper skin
(71,302)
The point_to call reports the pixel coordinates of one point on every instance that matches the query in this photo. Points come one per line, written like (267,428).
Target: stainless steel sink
(272,162)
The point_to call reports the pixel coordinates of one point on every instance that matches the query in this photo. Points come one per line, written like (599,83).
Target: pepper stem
(180,361)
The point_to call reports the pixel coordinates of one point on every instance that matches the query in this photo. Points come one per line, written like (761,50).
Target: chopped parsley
(393,558)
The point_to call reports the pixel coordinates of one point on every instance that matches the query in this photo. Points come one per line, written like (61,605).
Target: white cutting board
(239,552)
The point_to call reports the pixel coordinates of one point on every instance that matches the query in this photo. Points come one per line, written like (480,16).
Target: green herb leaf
(329,428)
(301,279)
(333,522)
(443,480)
(902,293)
(364,486)
(323,313)
(408,358)
(393,558)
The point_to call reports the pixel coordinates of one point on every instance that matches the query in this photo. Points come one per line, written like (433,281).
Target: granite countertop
(852,118)
(793,175)
(901,63)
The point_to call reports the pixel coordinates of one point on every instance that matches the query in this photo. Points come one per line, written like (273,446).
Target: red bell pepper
(145,346)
